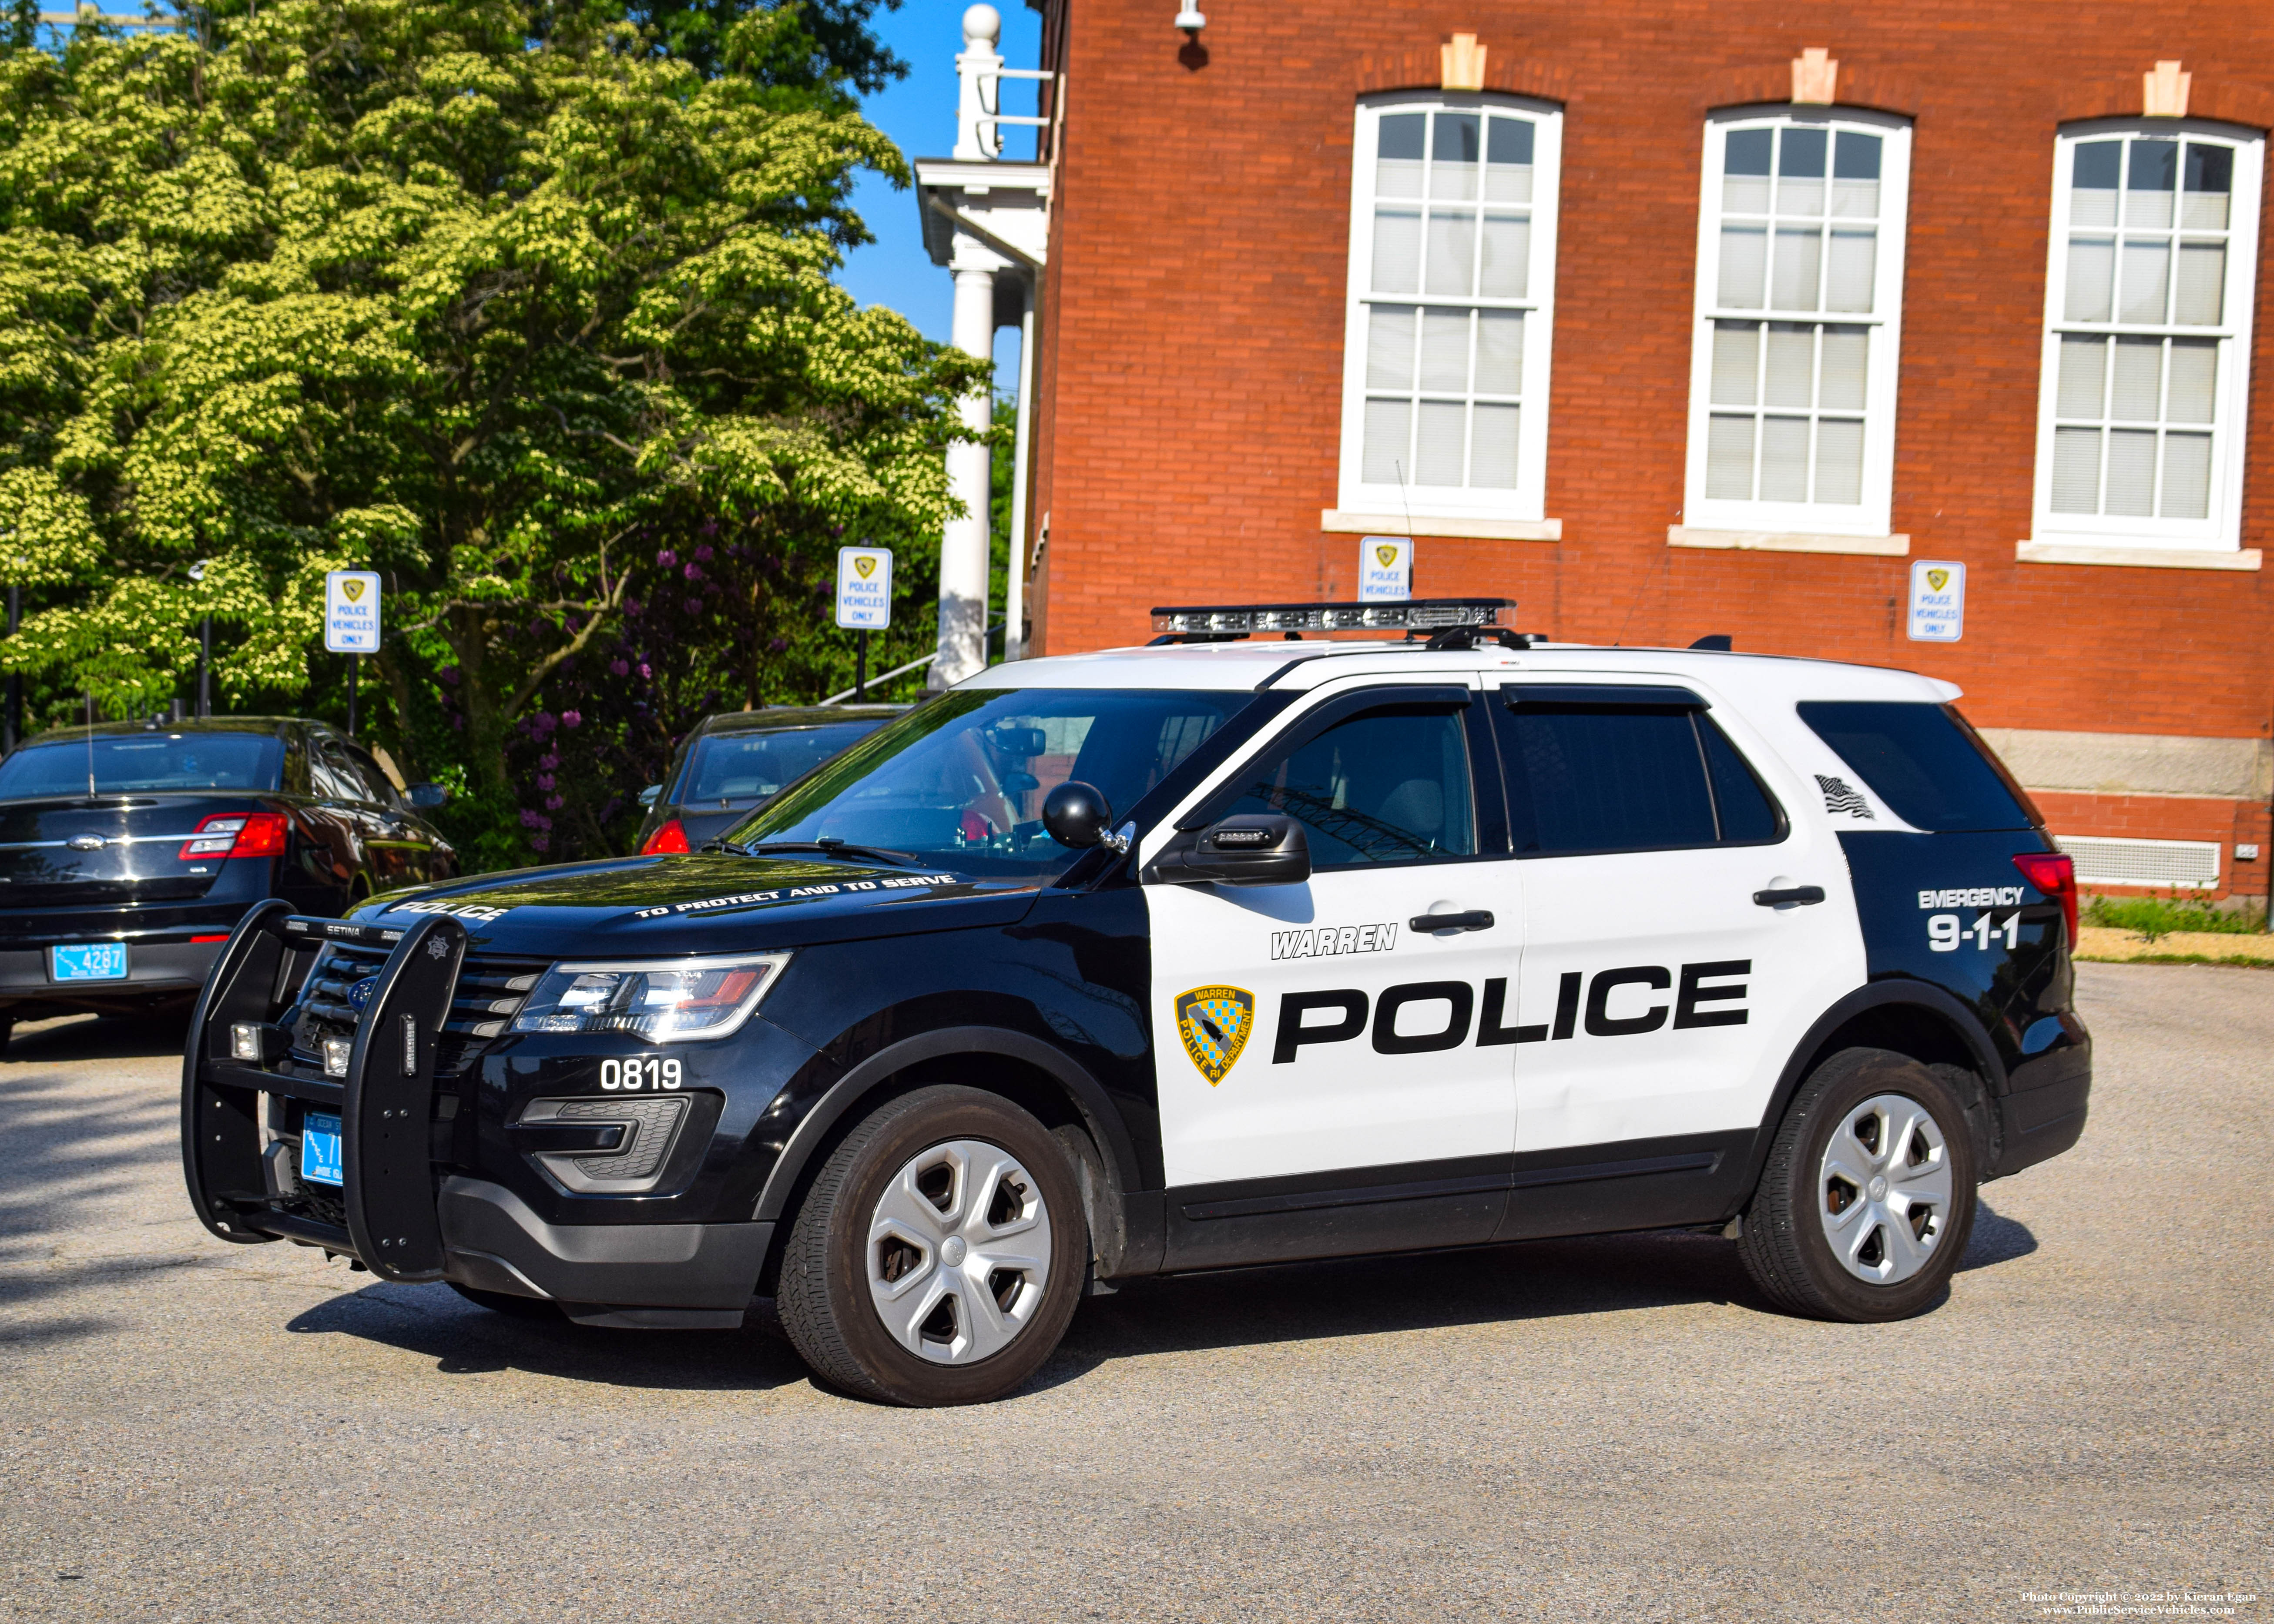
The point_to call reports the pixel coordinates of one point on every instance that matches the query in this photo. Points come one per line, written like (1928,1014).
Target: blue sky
(919,113)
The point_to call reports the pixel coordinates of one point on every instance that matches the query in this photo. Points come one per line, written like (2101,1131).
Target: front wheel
(1868,1197)
(939,1254)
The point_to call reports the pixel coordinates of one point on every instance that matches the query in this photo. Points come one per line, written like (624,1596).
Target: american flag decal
(1841,796)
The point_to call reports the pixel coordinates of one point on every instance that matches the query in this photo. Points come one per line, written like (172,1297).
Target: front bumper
(605,1274)
(402,1210)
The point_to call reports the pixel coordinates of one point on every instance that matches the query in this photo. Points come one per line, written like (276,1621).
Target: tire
(1873,1141)
(506,1302)
(927,1193)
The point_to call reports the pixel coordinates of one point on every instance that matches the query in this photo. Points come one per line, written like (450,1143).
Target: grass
(2157,916)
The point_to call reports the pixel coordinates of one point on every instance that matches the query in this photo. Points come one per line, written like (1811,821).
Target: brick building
(1676,320)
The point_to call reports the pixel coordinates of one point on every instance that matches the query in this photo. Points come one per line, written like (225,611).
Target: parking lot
(1570,1430)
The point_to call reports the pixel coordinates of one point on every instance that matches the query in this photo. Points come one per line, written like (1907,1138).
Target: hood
(706,902)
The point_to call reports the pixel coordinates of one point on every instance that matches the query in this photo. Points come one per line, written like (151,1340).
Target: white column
(963,547)
(1015,591)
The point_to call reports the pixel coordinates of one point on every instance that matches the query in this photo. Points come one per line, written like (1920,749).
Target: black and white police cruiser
(1231,950)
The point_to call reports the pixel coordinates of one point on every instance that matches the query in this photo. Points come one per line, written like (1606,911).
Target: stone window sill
(1787,541)
(1335,522)
(2136,558)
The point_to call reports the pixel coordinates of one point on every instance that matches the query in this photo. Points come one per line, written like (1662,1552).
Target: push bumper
(406,1217)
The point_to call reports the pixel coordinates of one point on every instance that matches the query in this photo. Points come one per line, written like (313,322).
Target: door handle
(1791,893)
(1475,919)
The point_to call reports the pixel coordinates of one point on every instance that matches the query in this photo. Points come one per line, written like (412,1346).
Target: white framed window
(1452,283)
(1799,320)
(2144,395)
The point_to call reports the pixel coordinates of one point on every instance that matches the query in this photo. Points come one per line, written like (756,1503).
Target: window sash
(1425,429)
(2145,419)
(1809,444)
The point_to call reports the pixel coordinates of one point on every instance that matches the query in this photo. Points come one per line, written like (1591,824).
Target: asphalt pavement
(1604,1429)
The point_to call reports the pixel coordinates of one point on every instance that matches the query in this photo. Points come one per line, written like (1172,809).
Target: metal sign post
(864,603)
(351,624)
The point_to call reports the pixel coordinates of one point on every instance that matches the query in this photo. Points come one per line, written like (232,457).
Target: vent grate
(2102,859)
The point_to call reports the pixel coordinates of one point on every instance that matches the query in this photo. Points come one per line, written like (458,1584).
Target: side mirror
(1078,815)
(647,796)
(1248,850)
(426,797)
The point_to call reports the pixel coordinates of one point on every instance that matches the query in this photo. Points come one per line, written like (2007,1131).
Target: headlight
(663,1000)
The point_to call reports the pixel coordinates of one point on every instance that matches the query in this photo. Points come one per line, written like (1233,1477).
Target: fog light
(336,1051)
(245,1042)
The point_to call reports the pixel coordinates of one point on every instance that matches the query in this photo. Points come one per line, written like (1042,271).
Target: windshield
(123,763)
(744,767)
(959,782)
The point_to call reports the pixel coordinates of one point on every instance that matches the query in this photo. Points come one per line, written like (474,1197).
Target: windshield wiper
(827,848)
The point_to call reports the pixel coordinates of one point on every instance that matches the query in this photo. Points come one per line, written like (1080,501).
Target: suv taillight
(665,841)
(2053,873)
(237,834)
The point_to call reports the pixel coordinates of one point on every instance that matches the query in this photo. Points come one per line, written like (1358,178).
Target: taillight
(237,834)
(669,838)
(2053,873)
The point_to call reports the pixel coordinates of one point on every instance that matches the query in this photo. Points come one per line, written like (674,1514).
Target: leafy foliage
(524,313)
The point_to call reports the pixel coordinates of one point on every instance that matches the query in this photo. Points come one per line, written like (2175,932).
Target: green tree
(501,311)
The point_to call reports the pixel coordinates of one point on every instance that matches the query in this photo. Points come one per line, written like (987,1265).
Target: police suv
(1243,947)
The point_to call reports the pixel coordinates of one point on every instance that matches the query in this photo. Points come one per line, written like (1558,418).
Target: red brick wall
(2169,817)
(1189,378)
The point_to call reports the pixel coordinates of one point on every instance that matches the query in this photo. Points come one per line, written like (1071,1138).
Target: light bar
(1414,614)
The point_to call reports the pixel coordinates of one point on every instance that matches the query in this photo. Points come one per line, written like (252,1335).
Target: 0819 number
(630,1074)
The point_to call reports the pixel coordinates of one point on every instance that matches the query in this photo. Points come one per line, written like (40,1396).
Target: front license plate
(320,1150)
(88,961)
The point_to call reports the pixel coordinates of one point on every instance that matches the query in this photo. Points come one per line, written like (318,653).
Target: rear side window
(1924,762)
(1597,774)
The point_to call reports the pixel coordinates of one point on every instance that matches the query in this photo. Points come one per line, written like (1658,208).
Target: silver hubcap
(959,1252)
(1884,1190)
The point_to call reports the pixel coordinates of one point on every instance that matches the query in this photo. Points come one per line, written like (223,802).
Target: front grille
(490,991)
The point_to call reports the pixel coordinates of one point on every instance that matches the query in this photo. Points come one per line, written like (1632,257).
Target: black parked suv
(735,762)
(129,850)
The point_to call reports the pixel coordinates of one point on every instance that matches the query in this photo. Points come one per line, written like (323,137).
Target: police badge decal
(1215,1022)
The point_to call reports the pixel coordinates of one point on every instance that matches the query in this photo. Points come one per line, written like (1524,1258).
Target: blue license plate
(320,1150)
(88,961)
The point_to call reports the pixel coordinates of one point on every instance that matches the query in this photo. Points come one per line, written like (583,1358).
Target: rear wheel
(1869,1194)
(938,1256)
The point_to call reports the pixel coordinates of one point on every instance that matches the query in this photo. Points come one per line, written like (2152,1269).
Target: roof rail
(1223,622)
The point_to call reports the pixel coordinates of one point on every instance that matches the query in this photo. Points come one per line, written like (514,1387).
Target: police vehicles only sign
(864,588)
(1938,601)
(1385,568)
(351,612)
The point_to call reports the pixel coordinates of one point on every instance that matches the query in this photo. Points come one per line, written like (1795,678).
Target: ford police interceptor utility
(1229,951)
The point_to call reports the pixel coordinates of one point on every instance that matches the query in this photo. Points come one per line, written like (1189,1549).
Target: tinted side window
(378,787)
(330,776)
(1386,787)
(1598,778)
(1924,762)
(1743,807)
